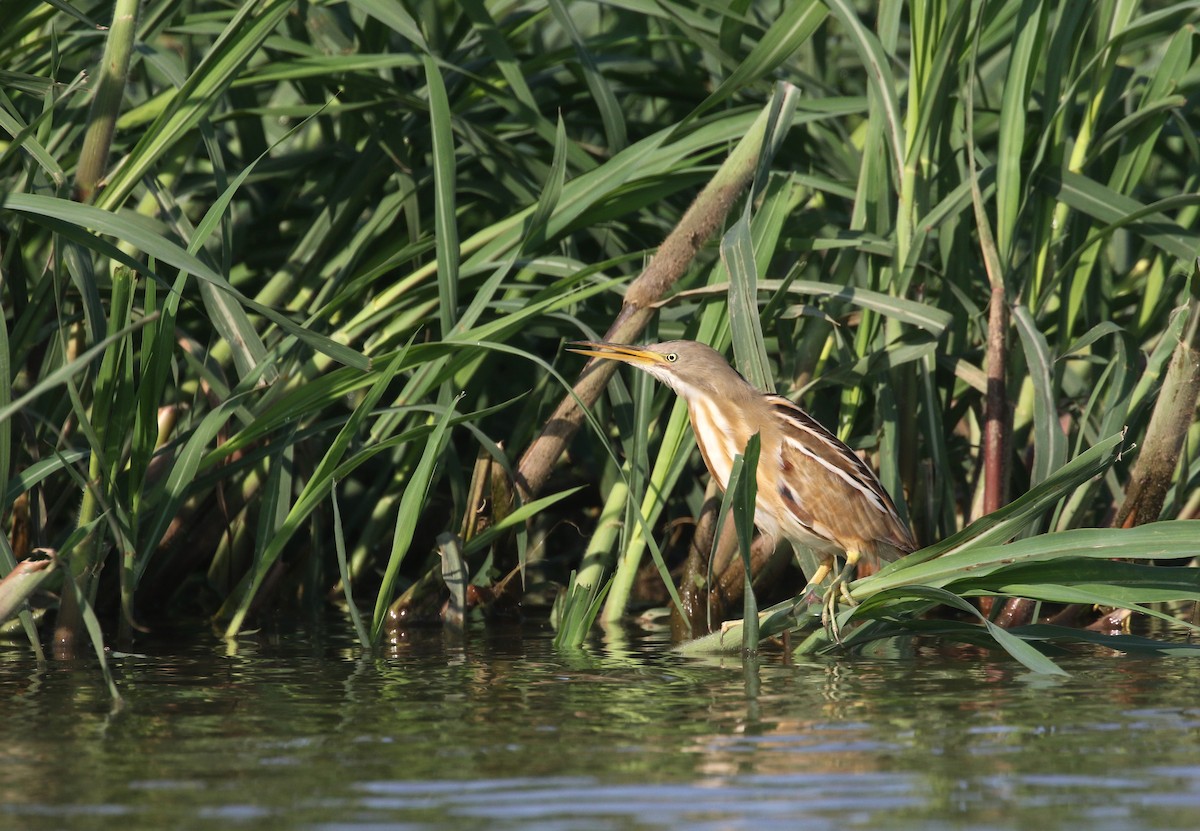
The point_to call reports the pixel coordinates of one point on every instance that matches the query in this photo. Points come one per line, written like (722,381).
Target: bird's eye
(672,357)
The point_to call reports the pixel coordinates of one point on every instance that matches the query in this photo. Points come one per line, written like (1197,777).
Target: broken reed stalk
(1174,412)
(712,583)
(996,424)
(670,262)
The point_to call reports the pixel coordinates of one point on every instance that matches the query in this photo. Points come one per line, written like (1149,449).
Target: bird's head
(687,367)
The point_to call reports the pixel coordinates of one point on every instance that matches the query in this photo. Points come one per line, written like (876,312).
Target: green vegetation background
(275,274)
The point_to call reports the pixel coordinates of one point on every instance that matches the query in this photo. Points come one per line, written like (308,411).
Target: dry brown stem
(670,262)
(1174,412)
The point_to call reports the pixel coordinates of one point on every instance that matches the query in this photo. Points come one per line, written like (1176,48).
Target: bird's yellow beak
(622,352)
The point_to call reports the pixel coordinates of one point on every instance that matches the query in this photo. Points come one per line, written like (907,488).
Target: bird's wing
(832,481)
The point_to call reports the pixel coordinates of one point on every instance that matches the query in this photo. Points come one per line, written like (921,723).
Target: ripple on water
(304,732)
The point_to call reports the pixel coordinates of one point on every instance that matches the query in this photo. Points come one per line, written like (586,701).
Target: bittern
(812,489)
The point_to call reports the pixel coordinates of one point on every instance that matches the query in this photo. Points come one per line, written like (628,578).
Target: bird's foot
(800,607)
(727,625)
(839,589)
(829,605)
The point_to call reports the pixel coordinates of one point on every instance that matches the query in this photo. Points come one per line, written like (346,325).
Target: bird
(813,490)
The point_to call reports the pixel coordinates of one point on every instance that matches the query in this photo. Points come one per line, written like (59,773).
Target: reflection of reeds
(310,229)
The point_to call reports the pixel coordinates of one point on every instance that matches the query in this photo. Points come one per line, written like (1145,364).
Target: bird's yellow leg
(838,588)
(729,624)
(818,578)
(843,579)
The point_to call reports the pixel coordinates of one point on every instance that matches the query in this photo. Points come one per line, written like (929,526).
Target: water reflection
(498,727)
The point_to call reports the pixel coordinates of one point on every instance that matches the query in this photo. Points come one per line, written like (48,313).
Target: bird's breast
(716,437)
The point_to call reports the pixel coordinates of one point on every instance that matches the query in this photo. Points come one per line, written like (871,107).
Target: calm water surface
(501,731)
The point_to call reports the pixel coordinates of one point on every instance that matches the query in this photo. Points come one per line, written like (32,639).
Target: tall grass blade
(1010,161)
(575,612)
(744,487)
(1159,540)
(1006,523)
(795,24)
(76,218)
(1050,446)
(239,42)
(339,544)
(67,371)
(412,503)
(313,493)
(879,72)
(1118,210)
(444,186)
(602,94)
(1027,654)
(737,253)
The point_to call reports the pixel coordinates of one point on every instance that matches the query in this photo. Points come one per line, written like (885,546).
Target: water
(501,731)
